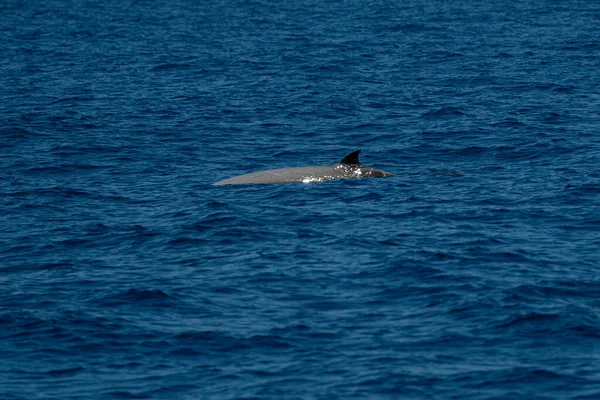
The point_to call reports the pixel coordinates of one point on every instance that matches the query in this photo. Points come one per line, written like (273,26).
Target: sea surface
(474,273)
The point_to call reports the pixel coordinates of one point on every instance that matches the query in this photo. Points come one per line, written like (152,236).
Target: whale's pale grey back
(348,168)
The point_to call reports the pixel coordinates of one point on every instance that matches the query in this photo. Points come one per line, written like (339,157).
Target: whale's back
(348,168)
(282,175)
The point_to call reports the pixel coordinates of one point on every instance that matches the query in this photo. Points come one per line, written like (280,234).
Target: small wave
(79,150)
(444,112)
(273,124)
(221,342)
(555,118)
(186,352)
(414,28)
(594,45)
(582,191)
(527,152)
(290,330)
(123,394)
(365,126)
(63,169)
(45,170)
(55,191)
(471,151)
(508,123)
(503,54)
(18,133)
(135,296)
(507,256)
(182,241)
(564,89)
(448,54)
(76,99)
(145,294)
(533,318)
(73,242)
(65,372)
(167,67)
(518,375)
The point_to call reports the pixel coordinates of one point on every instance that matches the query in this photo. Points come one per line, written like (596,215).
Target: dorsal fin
(351,159)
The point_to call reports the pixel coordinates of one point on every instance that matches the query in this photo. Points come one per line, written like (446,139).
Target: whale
(348,168)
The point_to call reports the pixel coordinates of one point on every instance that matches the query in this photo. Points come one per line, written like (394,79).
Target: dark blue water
(474,273)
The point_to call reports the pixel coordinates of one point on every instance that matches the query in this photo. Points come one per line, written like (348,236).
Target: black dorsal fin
(351,159)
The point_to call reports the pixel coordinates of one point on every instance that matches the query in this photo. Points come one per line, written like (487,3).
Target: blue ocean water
(471,274)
